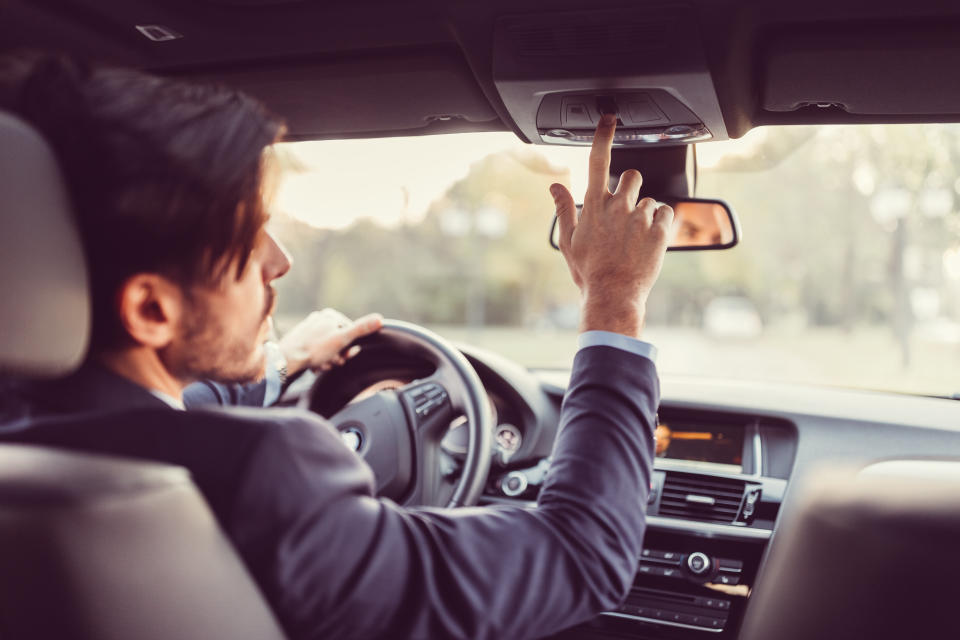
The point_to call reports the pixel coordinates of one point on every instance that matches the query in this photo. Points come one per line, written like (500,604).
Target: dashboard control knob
(514,483)
(698,563)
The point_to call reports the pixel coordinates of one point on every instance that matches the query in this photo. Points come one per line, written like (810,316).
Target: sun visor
(401,92)
(838,70)
(557,74)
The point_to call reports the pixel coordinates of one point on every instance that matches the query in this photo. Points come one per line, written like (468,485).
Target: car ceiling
(377,67)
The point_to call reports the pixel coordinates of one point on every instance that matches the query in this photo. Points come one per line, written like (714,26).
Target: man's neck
(143,366)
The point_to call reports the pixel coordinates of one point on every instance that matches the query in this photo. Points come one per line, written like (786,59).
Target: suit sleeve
(337,562)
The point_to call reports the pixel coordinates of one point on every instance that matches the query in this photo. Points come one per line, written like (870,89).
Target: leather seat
(92,547)
(869,554)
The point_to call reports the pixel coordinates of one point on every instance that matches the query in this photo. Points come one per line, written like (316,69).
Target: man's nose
(278,260)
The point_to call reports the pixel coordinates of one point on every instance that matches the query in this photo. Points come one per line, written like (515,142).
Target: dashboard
(729,456)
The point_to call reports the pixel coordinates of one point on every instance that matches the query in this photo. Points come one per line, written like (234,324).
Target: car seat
(92,547)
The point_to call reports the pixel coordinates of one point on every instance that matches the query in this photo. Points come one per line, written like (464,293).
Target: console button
(712,603)
(713,623)
(725,564)
(728,578)
(671,556)
(667,557)
(698,563)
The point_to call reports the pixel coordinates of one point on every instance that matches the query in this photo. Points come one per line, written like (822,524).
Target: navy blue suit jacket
(334,561)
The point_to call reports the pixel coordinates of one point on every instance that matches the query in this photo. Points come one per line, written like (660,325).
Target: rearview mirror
(698,225)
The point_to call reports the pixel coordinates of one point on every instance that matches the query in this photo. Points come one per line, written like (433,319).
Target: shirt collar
(169,399)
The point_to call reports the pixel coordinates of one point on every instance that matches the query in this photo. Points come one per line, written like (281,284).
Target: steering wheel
(399,431)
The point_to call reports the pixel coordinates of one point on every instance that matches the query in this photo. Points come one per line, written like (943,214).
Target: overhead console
(557,74)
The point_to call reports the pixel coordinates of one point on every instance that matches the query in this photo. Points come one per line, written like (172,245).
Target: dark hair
(164,176)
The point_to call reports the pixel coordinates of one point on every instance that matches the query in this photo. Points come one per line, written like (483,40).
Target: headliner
(399,67)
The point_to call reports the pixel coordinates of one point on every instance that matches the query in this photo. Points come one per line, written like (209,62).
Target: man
(320,342)
(167,180)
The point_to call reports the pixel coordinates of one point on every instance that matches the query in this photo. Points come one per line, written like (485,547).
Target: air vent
(698,497)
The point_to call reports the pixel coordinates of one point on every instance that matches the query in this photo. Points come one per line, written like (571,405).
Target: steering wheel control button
(427,399)
(698,563)
(514,484)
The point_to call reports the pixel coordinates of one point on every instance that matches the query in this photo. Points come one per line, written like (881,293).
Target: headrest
(44,294)
(43,477)
(864,555)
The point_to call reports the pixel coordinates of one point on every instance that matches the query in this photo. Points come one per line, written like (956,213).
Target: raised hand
(615,249)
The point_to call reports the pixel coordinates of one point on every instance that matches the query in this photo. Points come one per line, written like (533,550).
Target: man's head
(167,183)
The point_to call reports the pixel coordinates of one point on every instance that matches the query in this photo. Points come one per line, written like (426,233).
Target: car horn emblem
(352,438)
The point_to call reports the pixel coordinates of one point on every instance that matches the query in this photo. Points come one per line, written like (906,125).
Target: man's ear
(151,308)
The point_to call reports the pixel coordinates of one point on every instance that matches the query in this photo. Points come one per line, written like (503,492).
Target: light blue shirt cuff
(272,374)
(617,341)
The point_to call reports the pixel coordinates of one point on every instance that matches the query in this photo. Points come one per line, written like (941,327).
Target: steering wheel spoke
(376,429)
(430,406)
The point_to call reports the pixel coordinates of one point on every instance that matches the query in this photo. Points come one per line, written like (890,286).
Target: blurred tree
(842,226)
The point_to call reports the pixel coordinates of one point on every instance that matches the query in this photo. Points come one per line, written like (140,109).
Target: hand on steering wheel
(399,431)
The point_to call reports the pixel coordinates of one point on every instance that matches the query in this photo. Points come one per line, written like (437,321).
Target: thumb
(566,213)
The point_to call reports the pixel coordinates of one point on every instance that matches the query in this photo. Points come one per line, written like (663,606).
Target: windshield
(848,272)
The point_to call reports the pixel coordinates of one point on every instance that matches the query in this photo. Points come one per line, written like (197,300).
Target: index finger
(362,326)
(598,181)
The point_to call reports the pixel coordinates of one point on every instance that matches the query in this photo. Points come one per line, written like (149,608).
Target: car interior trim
(668,623)
(697,527)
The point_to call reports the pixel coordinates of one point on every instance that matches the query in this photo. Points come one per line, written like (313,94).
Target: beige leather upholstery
(91,547)
(868,555)
(102,548)
(45,309)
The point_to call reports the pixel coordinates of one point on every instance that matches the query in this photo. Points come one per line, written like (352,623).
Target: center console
(686,586)
(716,489)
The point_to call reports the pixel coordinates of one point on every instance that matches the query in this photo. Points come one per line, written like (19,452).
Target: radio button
(728,578)
(725,564)
(713,623)
(698,563)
